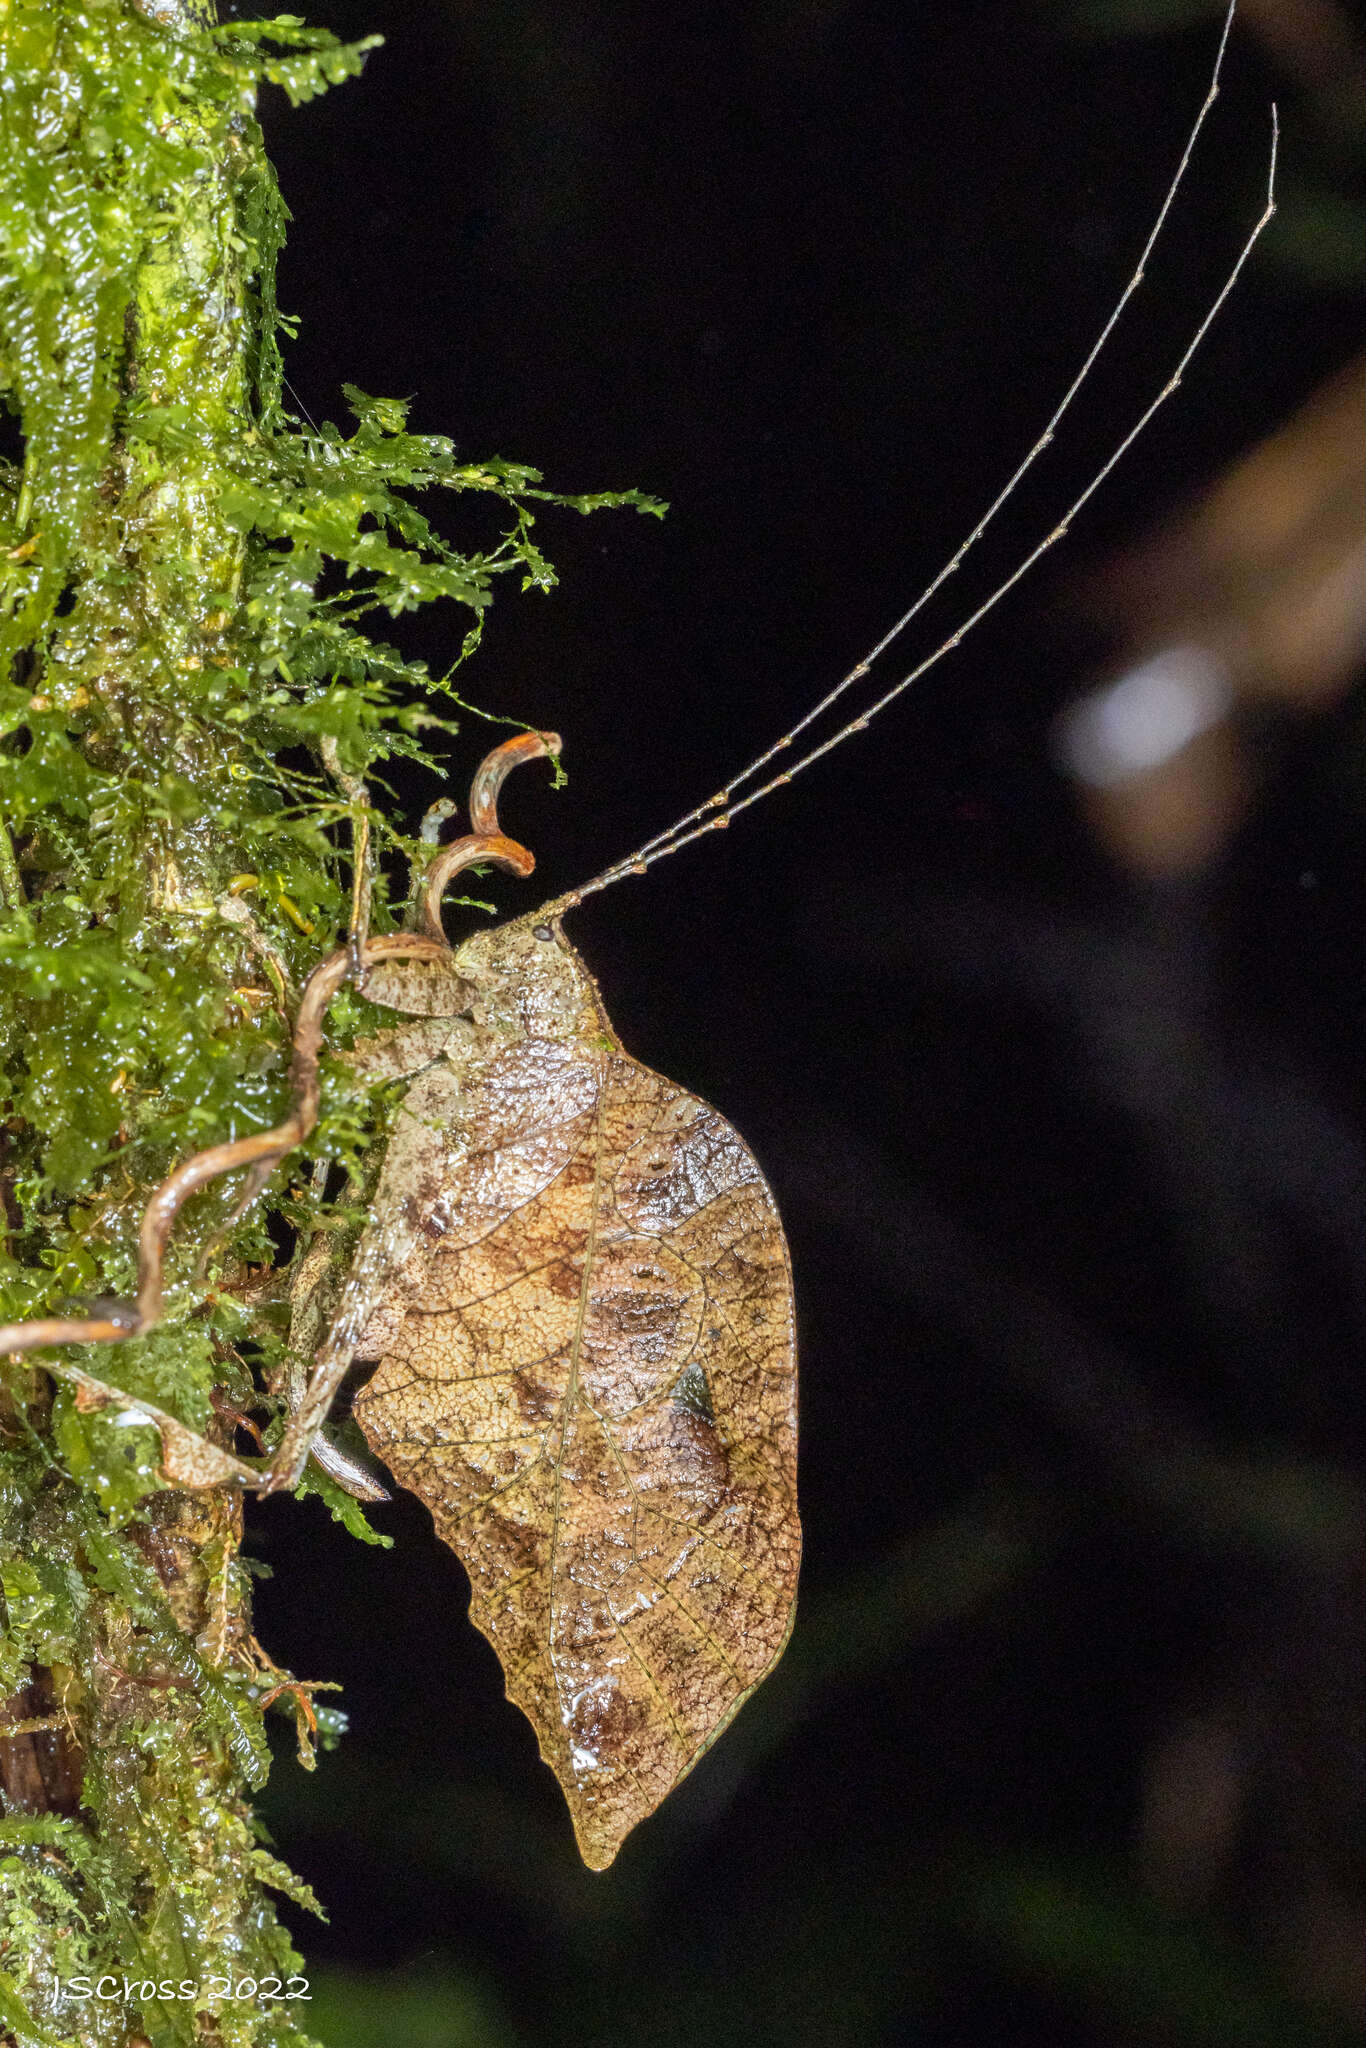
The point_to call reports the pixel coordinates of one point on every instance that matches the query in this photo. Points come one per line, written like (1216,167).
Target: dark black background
(816,271)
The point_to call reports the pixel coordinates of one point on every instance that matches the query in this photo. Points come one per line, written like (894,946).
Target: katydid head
(528,980)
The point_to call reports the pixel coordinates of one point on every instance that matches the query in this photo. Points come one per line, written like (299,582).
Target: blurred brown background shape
(1262,586)
(1264,583)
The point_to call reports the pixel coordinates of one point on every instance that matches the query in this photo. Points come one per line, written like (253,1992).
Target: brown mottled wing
(587,1374)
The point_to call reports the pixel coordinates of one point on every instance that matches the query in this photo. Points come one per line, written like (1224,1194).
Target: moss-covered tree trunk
(183,722)
(130,1668)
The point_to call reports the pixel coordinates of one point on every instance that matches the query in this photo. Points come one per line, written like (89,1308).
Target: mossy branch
(169,871)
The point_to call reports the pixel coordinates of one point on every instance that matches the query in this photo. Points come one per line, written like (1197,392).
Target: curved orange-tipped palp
(494,770)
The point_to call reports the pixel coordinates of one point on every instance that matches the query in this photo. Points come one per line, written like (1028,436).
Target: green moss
(190,583)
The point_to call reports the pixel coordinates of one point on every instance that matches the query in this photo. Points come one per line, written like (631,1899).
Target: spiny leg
(189,1459)
(334,1356)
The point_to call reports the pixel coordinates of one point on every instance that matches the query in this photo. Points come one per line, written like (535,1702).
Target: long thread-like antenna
(718,810)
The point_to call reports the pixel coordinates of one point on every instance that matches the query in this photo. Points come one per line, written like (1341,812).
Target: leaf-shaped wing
(587,1375)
